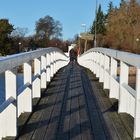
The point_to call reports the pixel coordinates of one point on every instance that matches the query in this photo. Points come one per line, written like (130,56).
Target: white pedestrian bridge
(113,68)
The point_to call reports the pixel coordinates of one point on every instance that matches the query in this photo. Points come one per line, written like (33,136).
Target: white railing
(112,68)
(38,68)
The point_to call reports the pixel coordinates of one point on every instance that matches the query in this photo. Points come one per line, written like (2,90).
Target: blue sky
(71,13)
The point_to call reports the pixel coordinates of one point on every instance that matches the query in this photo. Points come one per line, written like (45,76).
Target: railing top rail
(6,104)
(129,58)
(12,61)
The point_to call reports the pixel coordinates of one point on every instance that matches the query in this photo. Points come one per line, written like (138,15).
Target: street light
(95,24)
(137,39)
(84,25)
(19,45)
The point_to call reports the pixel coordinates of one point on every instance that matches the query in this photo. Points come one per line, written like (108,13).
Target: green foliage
(99,22)
(110,7)
(123,26)
(19,32)
(48,28)
(5,30)
(120,27)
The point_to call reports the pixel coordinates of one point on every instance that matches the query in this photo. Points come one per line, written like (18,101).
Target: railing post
(37,82)
(95,63)
(106,72)
(48,66)
(101,77)
(98,65)
(43,72)
(113,75)
(52,64)
(123,79)
(92,60)
(10,83)
(137,106)
(56,63)
(10,126)
(28,81)
(1,124)
(89,62)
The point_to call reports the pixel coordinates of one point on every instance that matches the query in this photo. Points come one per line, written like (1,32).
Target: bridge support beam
(137,107)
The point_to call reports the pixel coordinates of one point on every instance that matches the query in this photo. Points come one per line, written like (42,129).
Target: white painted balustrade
(112,69)
(38,68)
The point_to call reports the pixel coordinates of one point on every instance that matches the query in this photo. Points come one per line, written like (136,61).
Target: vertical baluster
(137,106)
(28,81)
(43,72)
(98,65)
(48,67)
(10,83)
(123,103)
(114,92)
(101,68)
(10,126)
(106,72)
(95,63)
(1,124)
(37,82)
(52,64)
(56,62)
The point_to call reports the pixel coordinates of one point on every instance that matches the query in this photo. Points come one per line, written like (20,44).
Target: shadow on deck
(75,107)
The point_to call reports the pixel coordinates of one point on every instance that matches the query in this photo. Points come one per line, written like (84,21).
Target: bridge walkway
(75,107)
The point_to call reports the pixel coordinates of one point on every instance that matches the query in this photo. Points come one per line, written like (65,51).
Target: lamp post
(19,45)
(95,43)
(84,25)
(137,41)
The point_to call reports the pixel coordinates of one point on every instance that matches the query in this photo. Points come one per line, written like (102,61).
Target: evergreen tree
(99,22)
(5,41)
(110,7)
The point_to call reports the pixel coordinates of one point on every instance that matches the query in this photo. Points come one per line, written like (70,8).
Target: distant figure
(73,55)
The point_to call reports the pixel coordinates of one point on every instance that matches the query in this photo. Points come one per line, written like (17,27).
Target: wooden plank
(93,109)
(83,111)
(63,127)
(84,120)
(74,117)
(114,123)
(76,107)
(51,132)
(47,116)
(38,122)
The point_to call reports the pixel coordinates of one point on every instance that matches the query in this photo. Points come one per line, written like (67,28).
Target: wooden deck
(75,107)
